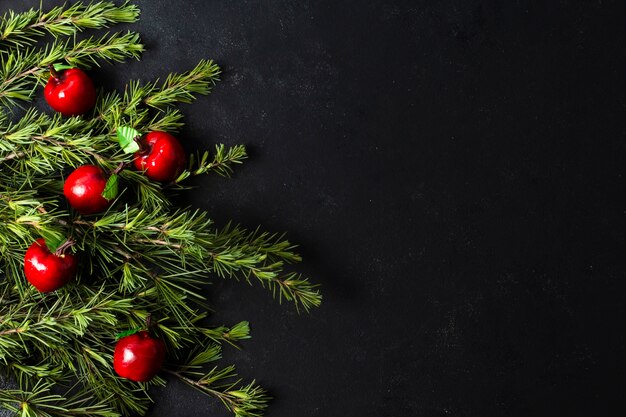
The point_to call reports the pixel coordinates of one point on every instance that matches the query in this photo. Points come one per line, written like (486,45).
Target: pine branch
(115,47)
(39,401)
(188,239)
(74,334)
(21,223)
(222,162)
(133,108)
(183,88)
(23,70)
(35,326)
(42,144)
(243,400)
(240,331)
(239,253)
(23,29)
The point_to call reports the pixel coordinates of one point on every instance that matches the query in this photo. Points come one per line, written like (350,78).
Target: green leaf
(62,67)
(126,136)
(112,187)
(53,239)
(127,333)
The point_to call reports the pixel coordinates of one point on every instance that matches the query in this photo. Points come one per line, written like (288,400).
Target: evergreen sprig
(142,258)
(23,29)
(23,69)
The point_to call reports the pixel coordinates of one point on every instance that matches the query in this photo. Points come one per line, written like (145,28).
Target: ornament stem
(143,148)
(65,246)
(120,168)
(53,72)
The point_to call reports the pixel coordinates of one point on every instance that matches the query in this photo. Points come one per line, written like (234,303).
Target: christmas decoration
(137,255)
(48,271)
(138,356)
(84,189)
(161,157)
(70,92)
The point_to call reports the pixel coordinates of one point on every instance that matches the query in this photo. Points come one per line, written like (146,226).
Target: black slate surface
(454,172)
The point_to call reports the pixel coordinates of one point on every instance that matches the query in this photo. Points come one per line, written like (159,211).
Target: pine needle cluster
(143,257)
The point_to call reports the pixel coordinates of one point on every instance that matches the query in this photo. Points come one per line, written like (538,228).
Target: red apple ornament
(83,189)
(48,271)
(70,92)
(161,157)
(138,357)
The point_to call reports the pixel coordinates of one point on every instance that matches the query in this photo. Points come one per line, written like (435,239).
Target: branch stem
(65,246)
(53,72)
(199,385)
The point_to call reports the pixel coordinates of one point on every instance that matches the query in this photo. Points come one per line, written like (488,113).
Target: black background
(454,173)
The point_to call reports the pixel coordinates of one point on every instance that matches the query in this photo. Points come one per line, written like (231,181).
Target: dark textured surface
(454,171)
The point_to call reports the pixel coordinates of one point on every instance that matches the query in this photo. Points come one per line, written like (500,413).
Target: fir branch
(221,163)
(169,120)
(184,87)
(115,47)
(183,238)
(239,331)
(23,69)
(35,327)
(21,222)
(39,401)
(132,109)
(74,333)
(240,253)
(23,29)
(243,400)
(43,144)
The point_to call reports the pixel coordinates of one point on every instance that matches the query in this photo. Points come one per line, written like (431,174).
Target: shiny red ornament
(47,271)
(162,157)
(83,189)
(138,357)
(70,92)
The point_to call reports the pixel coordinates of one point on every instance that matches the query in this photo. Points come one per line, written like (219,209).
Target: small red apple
(138,357)
(83,189)
(161,157)
(70,92)
(45,270)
